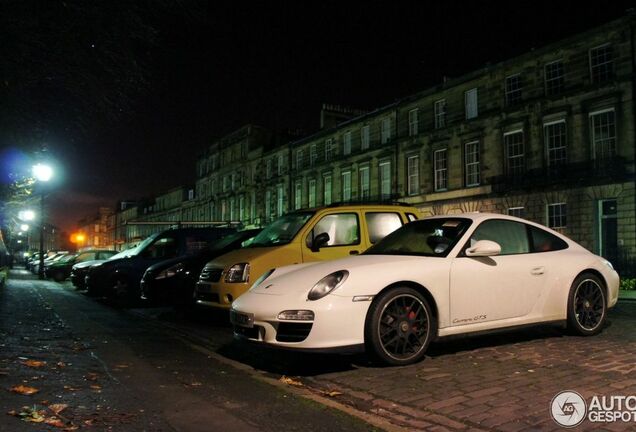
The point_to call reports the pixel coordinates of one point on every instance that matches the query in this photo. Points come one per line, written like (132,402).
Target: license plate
(242,319)
(204,288)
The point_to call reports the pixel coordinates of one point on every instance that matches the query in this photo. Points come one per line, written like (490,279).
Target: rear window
(543,241)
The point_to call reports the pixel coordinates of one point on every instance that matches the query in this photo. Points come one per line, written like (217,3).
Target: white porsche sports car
(440,276)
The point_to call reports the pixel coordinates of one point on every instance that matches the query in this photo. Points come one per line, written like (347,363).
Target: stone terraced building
(548,136)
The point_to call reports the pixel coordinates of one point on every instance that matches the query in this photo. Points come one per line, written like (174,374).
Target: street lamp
(42,173)
(24,227)
(26,215)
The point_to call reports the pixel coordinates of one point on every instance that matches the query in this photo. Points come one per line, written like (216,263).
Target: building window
(268,205)
(312,193)
(232,206)
(346,186)
(515,156)
(513,89)
(470,104)
(326,189)
(517,212)
(557,215)
(603,130)
(385,180)
(441,169)
(281,164)
(385,130)
(364,138)
(298,195)
(253,207)
(364,185)
(346,143)
(226,183)
(554,78)
(280,200)
(440,113)
(472,163)
(413,174)
(328,149)
(555,140)
(299,159)
(268,171)
(313,155)
(413,122)
(601,64)
(241,208)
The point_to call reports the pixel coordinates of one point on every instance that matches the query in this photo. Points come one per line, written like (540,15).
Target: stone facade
(548,136)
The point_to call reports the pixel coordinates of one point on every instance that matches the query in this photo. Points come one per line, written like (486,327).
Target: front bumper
(218,294)
(338,323)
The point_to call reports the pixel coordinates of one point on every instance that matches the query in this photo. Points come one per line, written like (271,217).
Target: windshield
(282,230)
(429,237)
(127,252)
(245,236)
(67,258)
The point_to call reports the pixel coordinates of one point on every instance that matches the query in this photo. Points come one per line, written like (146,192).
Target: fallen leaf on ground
(89,422)
(96,387)
(70,388)
(57,408)
(25,390)
(121,366)
(29,414)
(53,421)
(290,381)
(332,393)
(61,364)
(34,363)
(91,376)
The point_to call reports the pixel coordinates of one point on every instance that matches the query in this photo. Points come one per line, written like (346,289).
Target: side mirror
(321,240)
(484,248)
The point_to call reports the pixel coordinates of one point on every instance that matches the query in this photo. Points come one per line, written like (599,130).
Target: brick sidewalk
(498,383)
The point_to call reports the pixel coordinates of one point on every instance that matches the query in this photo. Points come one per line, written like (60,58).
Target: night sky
(210,68)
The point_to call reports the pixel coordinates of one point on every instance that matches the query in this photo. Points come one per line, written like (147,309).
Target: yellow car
(302,236)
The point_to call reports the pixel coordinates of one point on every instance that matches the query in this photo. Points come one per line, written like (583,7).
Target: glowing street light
(42,172)
(24,227)
(26,215)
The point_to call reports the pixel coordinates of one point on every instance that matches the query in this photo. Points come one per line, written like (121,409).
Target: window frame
(554,89)
(521,168)
(475,163)
(471,100)
(439,113)
(413,122)
(413,179)
(593,140)
(561,161)
(443,170)
(563,216)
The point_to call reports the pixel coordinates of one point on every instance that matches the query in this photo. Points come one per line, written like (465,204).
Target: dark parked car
(172,281)
(80,270)
(119,278)
(60,270)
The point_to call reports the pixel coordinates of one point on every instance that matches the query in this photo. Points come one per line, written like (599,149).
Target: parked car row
(370,278)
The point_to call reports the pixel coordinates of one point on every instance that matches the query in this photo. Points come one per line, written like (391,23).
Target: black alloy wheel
(399,326)
(587,305)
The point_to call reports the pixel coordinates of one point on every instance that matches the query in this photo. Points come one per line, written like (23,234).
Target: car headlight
(170,271)
(260,280)
(238,273)
(327,284)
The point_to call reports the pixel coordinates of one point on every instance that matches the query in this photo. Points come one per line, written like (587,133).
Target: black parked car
(119,278)
(60,270)
(80,270)
(172,281)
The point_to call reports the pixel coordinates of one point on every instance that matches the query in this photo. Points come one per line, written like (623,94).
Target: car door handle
(537,271)
(354,252)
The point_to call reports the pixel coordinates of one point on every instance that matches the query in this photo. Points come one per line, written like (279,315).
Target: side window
(105,255)
(511,236)
(343,229)
(382,224)
(543,241)
(165,247)
(411,217)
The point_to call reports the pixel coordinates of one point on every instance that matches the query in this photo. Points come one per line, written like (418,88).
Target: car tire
(122,291)
(399,327)
(587,305)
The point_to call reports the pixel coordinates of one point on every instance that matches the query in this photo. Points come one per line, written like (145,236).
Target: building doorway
(608,229)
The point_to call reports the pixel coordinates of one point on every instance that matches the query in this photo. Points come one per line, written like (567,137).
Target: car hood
(367,274)
(245,255)
(170,262)
(85,264)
